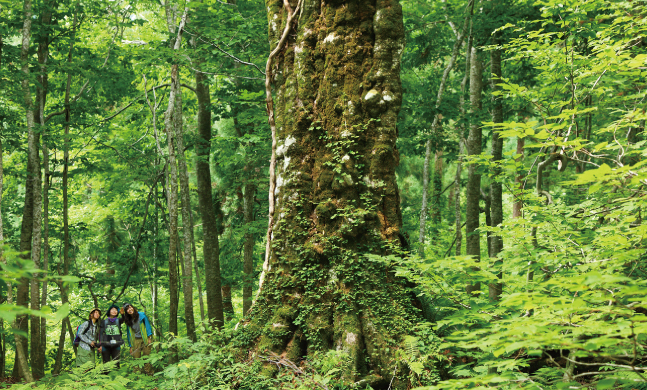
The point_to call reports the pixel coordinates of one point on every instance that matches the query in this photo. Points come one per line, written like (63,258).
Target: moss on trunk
(337,94)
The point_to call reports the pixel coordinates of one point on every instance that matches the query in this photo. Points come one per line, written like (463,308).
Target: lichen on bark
(337,95)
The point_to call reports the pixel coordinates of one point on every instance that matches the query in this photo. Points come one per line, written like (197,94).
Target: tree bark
(3,260)
(43,299)
(3,354)
(473,189)
(462,129)
(170,124)
(38,330)
(38,371)
(518,180)
(437,188)
(423,207)
(211,246)
(65,183)
(248,247)
(21,367)
(227,304)
(457,200)
(187,275)
(439,98)
(336,192)
(496,188)
(58,362)
(197,273)
(173,221)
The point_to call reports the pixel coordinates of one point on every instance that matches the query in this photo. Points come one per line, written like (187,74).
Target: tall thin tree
(211,246)
(21,366)
(473,189)
(170,124)
(496,187)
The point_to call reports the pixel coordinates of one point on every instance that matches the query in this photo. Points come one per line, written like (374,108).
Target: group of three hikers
(104,335)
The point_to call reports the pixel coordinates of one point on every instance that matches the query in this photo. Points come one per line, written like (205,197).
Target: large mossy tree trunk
(338,94)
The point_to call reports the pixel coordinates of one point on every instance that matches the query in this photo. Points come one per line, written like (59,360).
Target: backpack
(77,339)
(109,336)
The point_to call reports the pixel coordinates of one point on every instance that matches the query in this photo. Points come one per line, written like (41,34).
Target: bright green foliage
(572,313)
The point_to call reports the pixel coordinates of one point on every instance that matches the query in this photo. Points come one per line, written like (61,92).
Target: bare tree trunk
(170,123)
(3,356)
(37,329)
(457,200)
(58,362)
(248,247)
(518,180)
(423,207)
(227,304)
(211,246)
(473,189)
(437,189)
(66,167)
(496,188)
(43,299)
(197,273)
(173,219)
(156,249)
(21,367)
(461,143)
(436,121)
(158,160)
(187,275)
(37,370)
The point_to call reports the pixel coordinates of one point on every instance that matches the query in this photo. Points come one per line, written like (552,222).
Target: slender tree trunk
(21,367)
(462,129)
(436,121)
(473,189)
(3,356)
(227,304)
(38,370)
(66,168)
(423,207)
(158,161)
(37,329)
(170,123)
(197,273)
(155,258)
(436,215)
(58,362)
(248,247)
(518,180)
(457,200)
(43,299)
(187,275)
(211,246)
(173,217)
(496,188)
(488,219)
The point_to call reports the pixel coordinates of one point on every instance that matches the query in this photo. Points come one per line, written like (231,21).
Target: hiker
(110,336)
(87,334)
(134,321)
